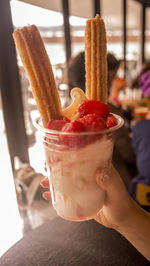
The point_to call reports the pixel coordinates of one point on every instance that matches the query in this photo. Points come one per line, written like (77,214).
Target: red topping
(74,126)
(57,123)
(93,122)
(93,107)
(111,121)
(73,140)
(94,116)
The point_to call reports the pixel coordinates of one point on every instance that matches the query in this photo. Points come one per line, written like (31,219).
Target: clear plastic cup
(72,160)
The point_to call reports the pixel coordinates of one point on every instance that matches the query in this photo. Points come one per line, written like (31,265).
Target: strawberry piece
(93,122)
(57,123)
(93,107)
(74,126)
(111,121)
(73,140)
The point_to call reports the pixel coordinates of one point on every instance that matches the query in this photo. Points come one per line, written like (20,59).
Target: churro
(96,59)
(37,64)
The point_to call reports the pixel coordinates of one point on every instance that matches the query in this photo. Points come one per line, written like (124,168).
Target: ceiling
(144,2)
(112,13)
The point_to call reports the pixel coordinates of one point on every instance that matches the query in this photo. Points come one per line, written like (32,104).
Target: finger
(45,182)
(46,195)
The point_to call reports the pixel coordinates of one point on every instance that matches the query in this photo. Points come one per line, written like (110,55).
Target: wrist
(137,230)
(130,214)
(136,216)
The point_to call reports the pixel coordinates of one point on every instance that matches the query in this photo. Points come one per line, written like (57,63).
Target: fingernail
(44,182)
(103,174)
(46,195)
(106,173)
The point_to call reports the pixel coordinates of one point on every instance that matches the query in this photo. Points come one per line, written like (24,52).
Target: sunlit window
(50,24)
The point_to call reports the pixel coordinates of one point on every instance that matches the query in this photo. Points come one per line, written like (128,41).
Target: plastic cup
(72,161)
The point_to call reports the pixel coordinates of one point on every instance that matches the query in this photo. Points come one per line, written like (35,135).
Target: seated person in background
(115,85)
(139,104)
(113,66)
(123,157)
(140,186)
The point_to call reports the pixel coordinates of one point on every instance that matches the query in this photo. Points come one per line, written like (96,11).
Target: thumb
(109,180)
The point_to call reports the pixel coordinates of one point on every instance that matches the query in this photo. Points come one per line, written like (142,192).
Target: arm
(121,213)
(137,230)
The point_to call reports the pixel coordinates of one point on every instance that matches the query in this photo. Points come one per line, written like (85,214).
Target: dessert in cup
(78,140)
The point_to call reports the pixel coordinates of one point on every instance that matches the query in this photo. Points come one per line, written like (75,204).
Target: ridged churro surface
(37,64)
(96,59)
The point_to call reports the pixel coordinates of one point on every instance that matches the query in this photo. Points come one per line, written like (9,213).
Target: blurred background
(61,24)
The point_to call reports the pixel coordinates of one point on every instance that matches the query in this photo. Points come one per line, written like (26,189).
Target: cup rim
(39,127)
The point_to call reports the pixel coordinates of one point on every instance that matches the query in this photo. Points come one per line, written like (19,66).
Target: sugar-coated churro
(37,64)
(96,59)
